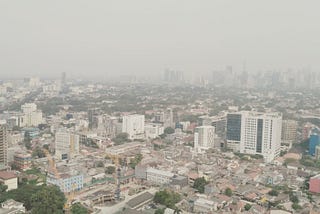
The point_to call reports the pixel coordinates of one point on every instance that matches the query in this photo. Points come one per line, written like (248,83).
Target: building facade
(255,133)
(313,143)
(289,131)
(67,183)
(204,138)
(10,179)
(3,145)
(22,161)
(31,116)
(66,144)
(158,177)
(153,130)
(133,125)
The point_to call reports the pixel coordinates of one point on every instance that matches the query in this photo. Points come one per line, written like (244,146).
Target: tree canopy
(167,198)
(77,208)
(228,192)
(135,161)
(121,138)
(199,184)
(43,198)
(48,200)
(168,130)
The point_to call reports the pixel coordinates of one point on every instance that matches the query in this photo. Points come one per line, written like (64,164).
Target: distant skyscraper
(3,145)
(204,138)
(92,117)
(133,125)
(255,133)
(63,78)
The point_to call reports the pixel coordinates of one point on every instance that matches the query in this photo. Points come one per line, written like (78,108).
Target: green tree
(110,169)
(121,138)
(22,194)
(273,192)
(38,152)
(167,198)
(296,206)
(99,164)
(46,146)
(199,184)
(293,198)
(228,192)
(49,200)
(159,211)
(168,130)
(77,208)
(135,161)
(3,188)
(247,207)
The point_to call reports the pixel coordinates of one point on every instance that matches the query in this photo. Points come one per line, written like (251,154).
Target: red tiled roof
(5,175)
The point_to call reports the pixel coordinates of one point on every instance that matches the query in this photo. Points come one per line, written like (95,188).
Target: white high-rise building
(66,144)
(30,115)
(3,145)
(133,125)
(255,133)
(204,138)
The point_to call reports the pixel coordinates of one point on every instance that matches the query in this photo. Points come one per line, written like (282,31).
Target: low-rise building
(314,184)
(10,179)
(159,177)
(22,160)
(153,130)
(12,207)
(202,205)
(139,201)
(66,182)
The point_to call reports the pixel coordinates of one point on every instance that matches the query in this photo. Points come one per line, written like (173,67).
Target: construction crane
(116,161)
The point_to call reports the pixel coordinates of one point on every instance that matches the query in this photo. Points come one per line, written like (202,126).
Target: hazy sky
(102,37)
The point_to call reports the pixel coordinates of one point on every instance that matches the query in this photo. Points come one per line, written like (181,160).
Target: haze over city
(159,107)
(103,39)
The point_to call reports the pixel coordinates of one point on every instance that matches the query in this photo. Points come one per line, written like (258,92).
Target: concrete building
(255,133)
(3,145)
(158,177)
(153,130)
(317,152)
(314,184)
(202,205)
(66,182)
(165,117)
(313,143)
(204,138)
(14,138)
(10,179)
(31,116)
(133,125)
(12,207)
(109,126)
(132,147)
(141,200)
(22,160)
(289,131)
(66,144)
